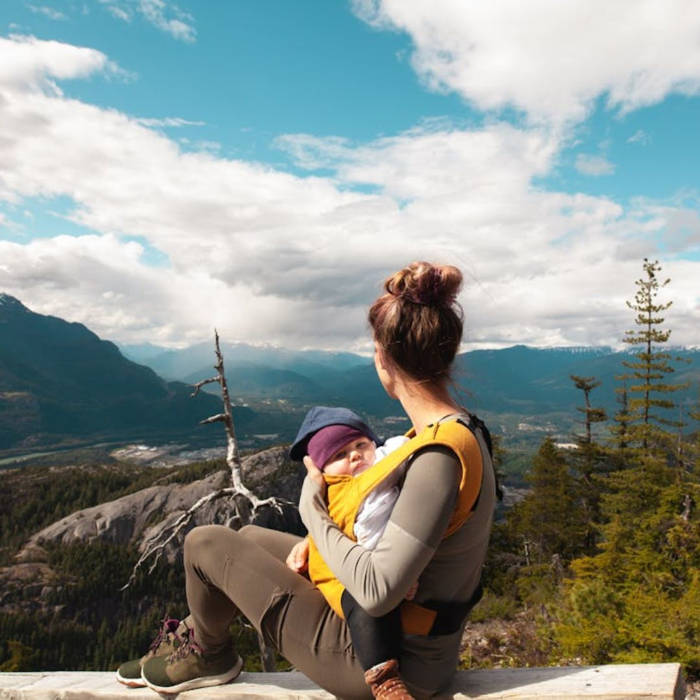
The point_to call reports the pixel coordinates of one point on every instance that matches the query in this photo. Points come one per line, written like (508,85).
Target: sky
(261,166)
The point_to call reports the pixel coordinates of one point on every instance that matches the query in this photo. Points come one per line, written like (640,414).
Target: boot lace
(168,625)
(188,646)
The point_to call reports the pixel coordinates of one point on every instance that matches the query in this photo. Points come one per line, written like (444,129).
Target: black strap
(451,615)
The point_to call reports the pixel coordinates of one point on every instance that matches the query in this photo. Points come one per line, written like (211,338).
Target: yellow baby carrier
(346,493)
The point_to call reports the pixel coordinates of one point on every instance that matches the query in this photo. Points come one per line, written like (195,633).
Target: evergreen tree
(549,520)
(589,458)
(650,403)
(620,430)
(638,598)
(592,415)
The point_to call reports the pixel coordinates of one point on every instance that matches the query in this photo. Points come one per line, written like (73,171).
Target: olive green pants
(244,571)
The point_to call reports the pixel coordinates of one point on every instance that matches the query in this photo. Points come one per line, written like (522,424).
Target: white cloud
(179,26)
(121,13)
(641,137)
(169,122)
(165,15)
(29,64)
(268,256)
(590,164)
(426,162)
(547,58)
(49,12)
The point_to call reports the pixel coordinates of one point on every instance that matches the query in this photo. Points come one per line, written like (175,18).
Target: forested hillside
(61,603)
(603,554)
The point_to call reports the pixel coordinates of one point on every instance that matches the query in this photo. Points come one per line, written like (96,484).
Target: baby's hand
(412,591)
(298,559)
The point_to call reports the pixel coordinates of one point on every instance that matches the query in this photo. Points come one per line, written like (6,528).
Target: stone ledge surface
(613,682)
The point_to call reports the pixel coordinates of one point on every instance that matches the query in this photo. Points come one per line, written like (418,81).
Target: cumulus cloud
(268,256)
(30,64)
(425,162)
(590,164)
(547,58)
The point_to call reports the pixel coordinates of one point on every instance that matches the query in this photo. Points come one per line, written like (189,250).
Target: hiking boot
(385,682)
(166,642)
(191,667)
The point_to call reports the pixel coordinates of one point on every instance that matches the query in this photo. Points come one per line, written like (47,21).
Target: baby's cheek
(336,468)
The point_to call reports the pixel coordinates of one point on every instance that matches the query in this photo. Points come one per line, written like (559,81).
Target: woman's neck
(425,403)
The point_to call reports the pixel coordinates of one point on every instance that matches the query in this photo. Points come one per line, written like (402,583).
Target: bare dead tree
(246,503)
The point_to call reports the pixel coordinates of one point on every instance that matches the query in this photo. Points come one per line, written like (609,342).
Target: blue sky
(262,165)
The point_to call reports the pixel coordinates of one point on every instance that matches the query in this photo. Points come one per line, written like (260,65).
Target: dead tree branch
(245,503)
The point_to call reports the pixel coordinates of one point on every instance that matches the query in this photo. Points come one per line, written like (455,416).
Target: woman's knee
(248,530)
(205,538)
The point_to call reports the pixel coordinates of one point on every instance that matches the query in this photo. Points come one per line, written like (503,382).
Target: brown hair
(418,322)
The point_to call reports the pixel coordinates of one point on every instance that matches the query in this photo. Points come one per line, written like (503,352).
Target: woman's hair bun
(418,322)
(426,284)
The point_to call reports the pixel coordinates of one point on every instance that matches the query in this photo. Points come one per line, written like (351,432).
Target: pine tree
(588,448)
(621,450)
(638,598)
(589,458)
(550,519)
(650,403)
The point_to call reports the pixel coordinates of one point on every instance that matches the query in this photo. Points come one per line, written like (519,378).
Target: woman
(417,327)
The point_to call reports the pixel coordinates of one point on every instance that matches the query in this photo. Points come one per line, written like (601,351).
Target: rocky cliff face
(127,520)
(132,519)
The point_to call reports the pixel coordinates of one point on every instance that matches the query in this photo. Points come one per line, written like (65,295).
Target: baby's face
(353,458)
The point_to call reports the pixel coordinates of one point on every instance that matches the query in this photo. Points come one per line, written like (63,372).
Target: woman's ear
(385,369)
(381,361)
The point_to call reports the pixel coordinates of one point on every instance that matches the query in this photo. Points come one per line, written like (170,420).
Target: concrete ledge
(615,682)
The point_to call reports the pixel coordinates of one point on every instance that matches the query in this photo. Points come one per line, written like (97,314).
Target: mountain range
(519,381)
(59,383)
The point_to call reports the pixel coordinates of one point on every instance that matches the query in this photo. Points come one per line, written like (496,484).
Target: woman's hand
(315,474)
(298,559)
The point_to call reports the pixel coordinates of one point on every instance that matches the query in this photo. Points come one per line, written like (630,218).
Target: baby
(339,443)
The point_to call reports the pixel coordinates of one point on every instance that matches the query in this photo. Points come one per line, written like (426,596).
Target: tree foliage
(629,586)
(651,400)
(638,597)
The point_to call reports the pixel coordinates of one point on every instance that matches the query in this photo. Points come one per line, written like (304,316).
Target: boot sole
(131,682)
(200,682)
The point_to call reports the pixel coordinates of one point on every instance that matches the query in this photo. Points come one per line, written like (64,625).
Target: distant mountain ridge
(178,364)
(515,380)
(59,380)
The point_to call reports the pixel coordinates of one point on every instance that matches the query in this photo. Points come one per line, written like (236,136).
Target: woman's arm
(379,579)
